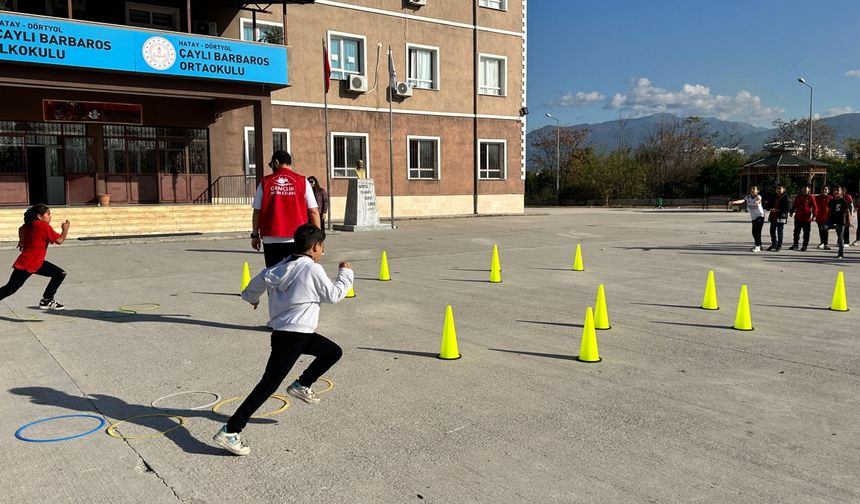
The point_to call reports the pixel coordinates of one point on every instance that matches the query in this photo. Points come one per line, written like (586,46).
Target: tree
(675,153)
(797,131)
(573,149)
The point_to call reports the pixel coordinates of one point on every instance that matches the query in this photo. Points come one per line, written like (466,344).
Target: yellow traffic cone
(588,346)
(449,350)
(840,302)
(577,261)
(246,276)
(383,268)
(601,316)
(351,292)
(495,267)
(743,321)
(709,302)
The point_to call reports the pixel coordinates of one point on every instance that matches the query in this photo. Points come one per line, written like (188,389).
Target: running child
(34,236)
(296,286)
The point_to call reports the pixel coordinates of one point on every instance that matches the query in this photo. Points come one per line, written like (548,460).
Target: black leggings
(801,226)
(286,348)
(757,224)
(19,276)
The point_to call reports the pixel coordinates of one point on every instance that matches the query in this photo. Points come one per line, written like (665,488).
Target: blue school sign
(51,41)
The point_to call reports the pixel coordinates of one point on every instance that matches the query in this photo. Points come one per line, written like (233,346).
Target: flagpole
(326,78)
(390,138)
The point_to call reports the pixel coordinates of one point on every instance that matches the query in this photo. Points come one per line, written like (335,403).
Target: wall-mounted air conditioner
(358,83)
(403,89)
(203,27)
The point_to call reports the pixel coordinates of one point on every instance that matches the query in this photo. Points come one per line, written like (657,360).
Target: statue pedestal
(361,214)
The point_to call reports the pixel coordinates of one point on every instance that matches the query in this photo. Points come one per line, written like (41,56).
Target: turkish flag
(326,68)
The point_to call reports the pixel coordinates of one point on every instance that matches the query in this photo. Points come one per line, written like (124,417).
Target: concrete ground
(681,409)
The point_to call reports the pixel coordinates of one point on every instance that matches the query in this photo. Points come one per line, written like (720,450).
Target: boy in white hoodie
(296,287)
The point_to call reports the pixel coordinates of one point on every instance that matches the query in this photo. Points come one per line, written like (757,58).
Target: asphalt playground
(681,409)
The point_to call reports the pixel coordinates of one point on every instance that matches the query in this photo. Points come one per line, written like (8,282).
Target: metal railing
(229,190)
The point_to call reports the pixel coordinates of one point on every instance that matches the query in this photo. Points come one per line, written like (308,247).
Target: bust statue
(360,172)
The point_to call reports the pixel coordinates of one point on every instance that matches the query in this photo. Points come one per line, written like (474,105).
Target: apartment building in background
(183,101)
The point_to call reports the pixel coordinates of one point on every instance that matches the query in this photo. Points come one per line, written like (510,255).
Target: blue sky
(594,61)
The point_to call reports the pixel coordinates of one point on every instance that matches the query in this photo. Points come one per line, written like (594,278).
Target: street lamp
(557,154)
(803,81)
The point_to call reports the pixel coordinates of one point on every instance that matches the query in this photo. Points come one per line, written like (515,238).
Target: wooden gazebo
(783,160)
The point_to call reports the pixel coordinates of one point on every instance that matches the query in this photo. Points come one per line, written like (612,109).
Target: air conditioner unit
(403,89)
(358,83)
(203,27)
(417,3)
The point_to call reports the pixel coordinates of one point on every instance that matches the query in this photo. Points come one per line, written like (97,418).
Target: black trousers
(822,233)
(805,227)
(757,224)
(19,276)
(274,253)
(286,349)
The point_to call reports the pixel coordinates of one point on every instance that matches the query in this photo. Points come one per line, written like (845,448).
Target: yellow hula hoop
(139,307)
(327,389)
(111,431)
(279,397)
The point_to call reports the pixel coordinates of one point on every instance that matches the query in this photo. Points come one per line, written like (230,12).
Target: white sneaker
(756,249)
(820,246)
(231,442)
(304,393)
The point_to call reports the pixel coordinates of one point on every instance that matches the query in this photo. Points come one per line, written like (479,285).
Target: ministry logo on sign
(159,53)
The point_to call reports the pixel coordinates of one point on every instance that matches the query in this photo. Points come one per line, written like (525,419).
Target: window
(152,16)
(267,31)
(493,162)
(346,55)
(280,141)
(492,77)
(423,66)
(346,150)
(423,158)
(493,4)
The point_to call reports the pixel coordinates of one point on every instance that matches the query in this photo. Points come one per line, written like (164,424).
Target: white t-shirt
(258,204)
(754,206)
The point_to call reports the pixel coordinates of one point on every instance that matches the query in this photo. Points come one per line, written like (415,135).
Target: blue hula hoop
(21,429)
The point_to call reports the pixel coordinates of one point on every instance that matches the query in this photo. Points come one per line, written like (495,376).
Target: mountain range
(607,136)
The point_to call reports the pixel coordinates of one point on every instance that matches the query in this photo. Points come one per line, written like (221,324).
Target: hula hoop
(31,440)
(279,397)
(328,389)
(139,307)
(111,431)
(196,408)
(115,314)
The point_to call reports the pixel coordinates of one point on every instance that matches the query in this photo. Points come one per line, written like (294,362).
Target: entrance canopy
(782,161)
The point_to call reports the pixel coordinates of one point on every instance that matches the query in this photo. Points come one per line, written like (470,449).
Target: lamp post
(557,154)
(803,81)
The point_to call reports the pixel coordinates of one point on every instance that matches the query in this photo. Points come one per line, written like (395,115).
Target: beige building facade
(457,117)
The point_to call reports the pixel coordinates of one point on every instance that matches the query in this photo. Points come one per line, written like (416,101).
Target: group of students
(296,284)
(828,211)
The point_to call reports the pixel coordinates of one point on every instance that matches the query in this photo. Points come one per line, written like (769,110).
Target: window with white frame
(423,154)
(346,55)
(151,16)
(280,141)
(423,66)
(492,74)
(266,31)
(347,149)
(493,163)
(493,4)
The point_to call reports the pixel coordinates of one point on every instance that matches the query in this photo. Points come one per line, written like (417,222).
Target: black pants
(805,227)
(274,253)
(840,236)
(757,224)
(286,349)
(822,233)
(19,276)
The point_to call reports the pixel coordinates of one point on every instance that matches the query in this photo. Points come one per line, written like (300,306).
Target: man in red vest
(284,201)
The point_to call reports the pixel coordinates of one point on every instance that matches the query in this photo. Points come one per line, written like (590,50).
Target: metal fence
(230,190)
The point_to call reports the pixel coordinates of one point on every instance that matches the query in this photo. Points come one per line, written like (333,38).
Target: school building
(182,102)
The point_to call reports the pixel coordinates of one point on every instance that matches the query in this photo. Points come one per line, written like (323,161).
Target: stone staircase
(136,220)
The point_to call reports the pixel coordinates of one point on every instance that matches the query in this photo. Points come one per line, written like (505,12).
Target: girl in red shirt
(33,240)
